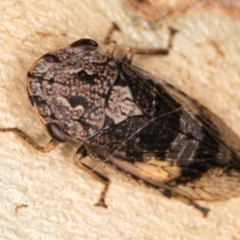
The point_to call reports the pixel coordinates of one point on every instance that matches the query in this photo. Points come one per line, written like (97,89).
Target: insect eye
(84,44)
(54,130)
(82,74)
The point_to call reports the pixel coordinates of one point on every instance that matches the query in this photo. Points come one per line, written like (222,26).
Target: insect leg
(189,202)
(203,210)
(78,157)
(149,51)
(171,194)
(112,44)
(110,33)
(45,149)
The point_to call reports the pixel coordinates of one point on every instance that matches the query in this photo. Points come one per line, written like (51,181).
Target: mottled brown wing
(176,146)
(217,183)
(214,126)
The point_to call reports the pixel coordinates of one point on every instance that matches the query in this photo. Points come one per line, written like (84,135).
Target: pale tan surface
(59,196)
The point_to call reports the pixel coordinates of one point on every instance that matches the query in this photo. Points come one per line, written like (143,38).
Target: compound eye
(84,45)
(54,130)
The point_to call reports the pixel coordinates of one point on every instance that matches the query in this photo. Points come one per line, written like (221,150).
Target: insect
(130,120)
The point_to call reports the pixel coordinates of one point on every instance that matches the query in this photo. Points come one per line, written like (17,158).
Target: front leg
(78,157)
(150,51)
(45,149)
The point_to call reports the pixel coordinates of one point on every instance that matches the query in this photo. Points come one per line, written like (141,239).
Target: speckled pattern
(144,128)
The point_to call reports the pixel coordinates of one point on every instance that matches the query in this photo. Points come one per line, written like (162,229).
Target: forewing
(198,181)
(212,126)
(173,146)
